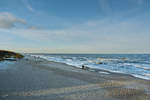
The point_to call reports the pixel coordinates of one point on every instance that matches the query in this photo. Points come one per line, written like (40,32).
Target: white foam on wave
(108,64)
(144,66)
(141,76)
(103,72)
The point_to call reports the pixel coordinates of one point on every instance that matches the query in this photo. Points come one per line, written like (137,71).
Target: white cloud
(34,27)
(92,36)
(104,35)
(8,20)
(96,33)
(28,6)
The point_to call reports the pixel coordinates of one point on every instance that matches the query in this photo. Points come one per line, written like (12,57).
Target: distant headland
(9,55)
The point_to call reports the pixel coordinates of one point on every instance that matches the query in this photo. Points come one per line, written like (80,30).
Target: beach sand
(37,79)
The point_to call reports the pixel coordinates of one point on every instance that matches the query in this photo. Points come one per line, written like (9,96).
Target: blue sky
(75,26)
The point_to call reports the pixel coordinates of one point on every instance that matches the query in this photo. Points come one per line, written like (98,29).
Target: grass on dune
(4,55)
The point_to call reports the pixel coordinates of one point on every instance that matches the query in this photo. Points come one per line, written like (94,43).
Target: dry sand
(37,79)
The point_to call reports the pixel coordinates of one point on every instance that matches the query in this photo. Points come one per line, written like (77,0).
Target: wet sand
(37,79)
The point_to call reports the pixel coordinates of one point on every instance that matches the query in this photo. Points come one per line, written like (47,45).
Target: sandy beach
(37,79)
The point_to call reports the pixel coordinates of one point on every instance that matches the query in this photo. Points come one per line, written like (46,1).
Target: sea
(5,65)
(137,65)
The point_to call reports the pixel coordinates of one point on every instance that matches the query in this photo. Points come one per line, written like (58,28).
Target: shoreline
(136,71)
(98,70)
(37,79)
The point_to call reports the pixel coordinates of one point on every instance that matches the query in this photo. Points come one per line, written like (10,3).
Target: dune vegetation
(9,55)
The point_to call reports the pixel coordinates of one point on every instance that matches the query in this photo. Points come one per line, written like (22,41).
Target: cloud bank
(99,35)
(94,35)
(8,20)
